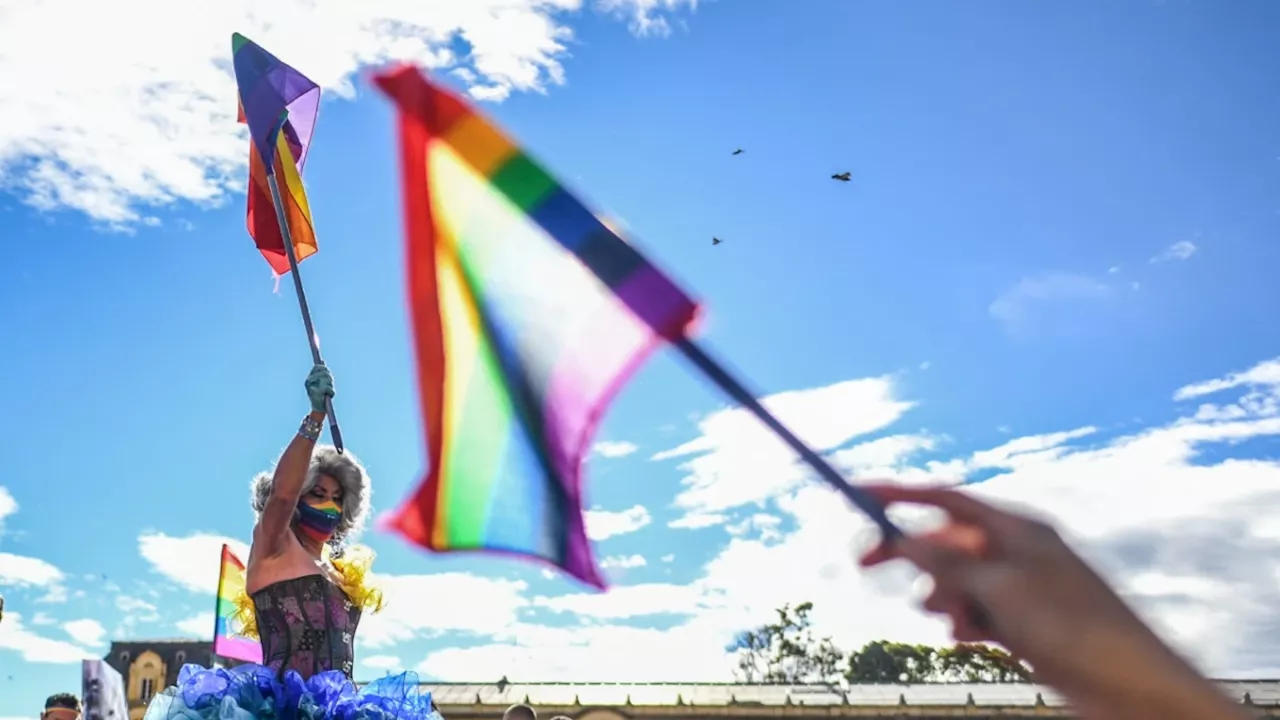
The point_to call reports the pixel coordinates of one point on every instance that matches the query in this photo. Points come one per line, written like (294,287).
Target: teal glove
(319,387)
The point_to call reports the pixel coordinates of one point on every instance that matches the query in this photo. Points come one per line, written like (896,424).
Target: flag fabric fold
(280,105)
(226,643)
(528,313)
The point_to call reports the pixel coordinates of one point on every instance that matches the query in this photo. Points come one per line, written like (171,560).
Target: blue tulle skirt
(252,692)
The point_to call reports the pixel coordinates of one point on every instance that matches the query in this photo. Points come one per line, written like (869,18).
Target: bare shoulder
(264,570)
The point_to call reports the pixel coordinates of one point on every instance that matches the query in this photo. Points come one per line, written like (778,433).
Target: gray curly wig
(350,475)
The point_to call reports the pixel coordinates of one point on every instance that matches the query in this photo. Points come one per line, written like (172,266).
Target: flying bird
(842,177)
(738,151)
(716,241)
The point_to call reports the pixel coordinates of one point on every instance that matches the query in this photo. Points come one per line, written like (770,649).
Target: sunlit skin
(60,714)
(301,554)
(280,551)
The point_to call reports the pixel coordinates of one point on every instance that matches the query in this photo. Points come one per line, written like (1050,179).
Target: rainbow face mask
(319,520)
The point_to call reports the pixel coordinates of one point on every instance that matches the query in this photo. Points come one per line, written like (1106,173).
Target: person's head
(520,712)
(63,706)
(335,497)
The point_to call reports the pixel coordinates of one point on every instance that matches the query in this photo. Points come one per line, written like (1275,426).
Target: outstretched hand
(1038,599)
(319,386)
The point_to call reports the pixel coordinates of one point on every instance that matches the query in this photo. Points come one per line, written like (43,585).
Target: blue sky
(1060,214)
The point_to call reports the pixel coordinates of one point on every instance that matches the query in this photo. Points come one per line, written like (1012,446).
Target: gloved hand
(319,386)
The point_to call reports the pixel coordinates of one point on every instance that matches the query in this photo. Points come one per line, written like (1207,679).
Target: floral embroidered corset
(306,624)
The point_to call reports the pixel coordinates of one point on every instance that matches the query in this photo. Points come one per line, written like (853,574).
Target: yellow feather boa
(353,571)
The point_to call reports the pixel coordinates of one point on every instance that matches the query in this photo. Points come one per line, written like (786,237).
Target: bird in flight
(738,151)
(716,241)
(842,177)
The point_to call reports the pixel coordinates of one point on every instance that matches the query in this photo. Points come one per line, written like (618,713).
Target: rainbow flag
(528,313)
(280,105)
(231,585)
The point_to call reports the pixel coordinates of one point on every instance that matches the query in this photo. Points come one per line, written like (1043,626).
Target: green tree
(787,651)
(977,662)
(882,661)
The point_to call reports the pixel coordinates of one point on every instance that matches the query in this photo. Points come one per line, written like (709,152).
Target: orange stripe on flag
(261,219)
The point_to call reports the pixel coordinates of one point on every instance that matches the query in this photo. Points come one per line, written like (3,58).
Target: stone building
(149,666)
(691,701)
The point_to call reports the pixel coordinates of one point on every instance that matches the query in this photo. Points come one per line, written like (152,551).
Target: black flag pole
(283,219)
(860,498)
(976,614)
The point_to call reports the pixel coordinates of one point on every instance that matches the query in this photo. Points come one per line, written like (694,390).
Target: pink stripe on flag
(238,649)
(607,348)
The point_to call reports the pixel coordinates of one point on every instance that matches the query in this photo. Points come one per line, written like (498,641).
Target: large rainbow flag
(528,314)
(226,643)
(280,105)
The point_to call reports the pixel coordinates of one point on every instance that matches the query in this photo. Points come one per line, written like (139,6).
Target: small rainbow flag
(529,313)
(231,585)
(280,105)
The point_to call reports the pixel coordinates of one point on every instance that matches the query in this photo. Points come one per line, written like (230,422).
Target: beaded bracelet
(310,428)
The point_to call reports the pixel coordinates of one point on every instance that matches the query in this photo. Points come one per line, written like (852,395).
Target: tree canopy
(787,650)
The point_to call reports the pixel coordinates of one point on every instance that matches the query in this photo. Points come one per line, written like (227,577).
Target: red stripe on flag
(415,518)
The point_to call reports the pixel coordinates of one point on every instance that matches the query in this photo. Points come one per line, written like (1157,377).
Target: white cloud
(382,662)
(738,461)
(698,521)
(636,654)
(197,626)
(668,558)
(881,456)
(628,601)
(623,562)
(86,631)
(420,605)
(43,618)
(8,506)
(1189,536)
(1026,450)
(614,449)
(604,524)
(1266,374)
(646,17)
(192,561)
(37,648)
(1016,307)
(134,605)
(28,571)
(142,119)
(1180,250)
(763,525)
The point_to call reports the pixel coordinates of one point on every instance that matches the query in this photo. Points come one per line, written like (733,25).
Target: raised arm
(271,534)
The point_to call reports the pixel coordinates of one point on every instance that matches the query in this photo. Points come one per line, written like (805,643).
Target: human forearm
(291,470)
(287,482)
(1166,687)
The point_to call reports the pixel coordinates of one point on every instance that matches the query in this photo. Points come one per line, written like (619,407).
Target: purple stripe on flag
(658,302)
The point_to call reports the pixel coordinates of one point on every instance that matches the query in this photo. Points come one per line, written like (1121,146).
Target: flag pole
(860,498)
(283,220)
(977,615)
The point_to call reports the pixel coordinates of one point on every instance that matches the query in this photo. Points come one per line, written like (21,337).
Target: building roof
(1260,692)
(165,641)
